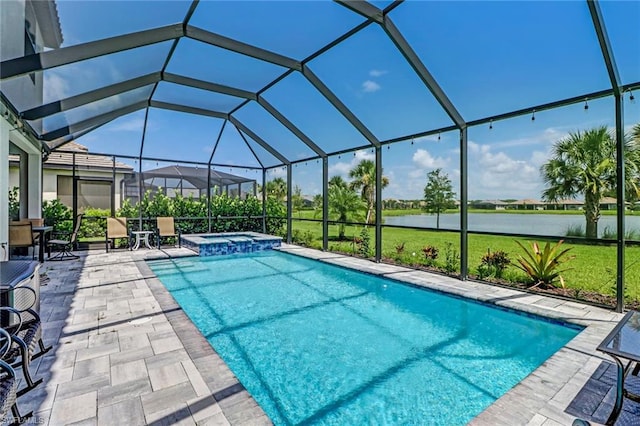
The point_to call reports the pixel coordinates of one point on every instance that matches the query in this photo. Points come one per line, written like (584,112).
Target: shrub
(57,215)
(611,233)
(302,238)
(495,263)
(542,265)
(400,248)
(94,223)
(575,231)
(364,248)
(430,255)
(451,258)
(14,203)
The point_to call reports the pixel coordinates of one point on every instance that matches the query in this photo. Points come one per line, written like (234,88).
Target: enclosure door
(96,193)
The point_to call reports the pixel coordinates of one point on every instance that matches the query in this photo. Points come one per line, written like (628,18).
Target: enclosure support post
(140,180)
(325,203)
(264,201)
(74,189)
(378,203)
(620,195)
(616,85)
(464,177)
(209,197)
(289,209)
(113,188)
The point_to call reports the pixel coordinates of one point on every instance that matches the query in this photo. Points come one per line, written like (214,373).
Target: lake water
(511,223)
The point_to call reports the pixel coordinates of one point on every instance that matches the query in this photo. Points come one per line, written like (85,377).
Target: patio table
(623,345)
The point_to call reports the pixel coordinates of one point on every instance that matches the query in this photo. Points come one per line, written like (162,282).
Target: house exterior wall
(50,181)
(14,16)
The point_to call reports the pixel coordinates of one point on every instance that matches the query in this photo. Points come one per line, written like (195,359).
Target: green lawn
(592,269)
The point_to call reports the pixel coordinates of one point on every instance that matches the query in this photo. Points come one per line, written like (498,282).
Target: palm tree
(277,189)
(344,205)
(364,180)
(584,163)
(337,181)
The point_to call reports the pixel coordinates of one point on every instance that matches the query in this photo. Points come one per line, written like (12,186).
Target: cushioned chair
(36,222)
(166,229)
(21,235)
(117,229)
(64,242)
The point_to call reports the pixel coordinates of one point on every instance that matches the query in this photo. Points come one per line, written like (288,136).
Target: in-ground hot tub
(218,244)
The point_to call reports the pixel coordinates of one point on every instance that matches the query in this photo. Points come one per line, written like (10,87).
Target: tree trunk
(371,203)
(592,213)
(438,219)
(341,232)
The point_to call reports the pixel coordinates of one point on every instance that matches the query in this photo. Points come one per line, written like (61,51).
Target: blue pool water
(315,343)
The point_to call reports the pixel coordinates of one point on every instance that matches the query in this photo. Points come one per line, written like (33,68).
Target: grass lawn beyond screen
(593,268)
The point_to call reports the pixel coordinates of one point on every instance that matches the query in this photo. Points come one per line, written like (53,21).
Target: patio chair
(117,229)
(23,324)
(8,384)
(64,242)
(21,235)
(166,228)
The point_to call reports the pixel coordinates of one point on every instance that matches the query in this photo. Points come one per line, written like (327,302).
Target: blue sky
(488,57)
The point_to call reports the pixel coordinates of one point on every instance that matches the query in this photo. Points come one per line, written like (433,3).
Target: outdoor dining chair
(64,243)
(166,229)
(117,229)
(21,235)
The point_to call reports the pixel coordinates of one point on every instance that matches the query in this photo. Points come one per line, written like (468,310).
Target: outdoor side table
(142,237)
(623,345)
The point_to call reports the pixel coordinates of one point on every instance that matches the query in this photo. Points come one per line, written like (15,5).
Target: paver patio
(125,353)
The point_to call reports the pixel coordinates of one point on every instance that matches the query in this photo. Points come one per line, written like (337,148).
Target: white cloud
(377,73)
(342,168)
(496,175)
(538,158)
(133,124)
(422,158)
(277,172)
(370,86)
(55,87)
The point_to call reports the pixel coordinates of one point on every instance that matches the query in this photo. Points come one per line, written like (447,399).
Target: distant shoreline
(412,212)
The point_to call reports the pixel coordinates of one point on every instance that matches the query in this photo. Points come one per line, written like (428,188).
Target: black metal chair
(8,384)
(64,245)
(23,324)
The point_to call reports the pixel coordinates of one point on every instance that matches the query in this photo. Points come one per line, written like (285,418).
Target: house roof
(83,160)
(527,201)
(196,176)
(49,22)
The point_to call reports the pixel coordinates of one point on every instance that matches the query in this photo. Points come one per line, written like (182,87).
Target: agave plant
(543,265)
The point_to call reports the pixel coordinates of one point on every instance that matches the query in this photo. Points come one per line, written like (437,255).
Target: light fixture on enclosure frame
(631,97)
(491,124)
(533,115)
(586,104)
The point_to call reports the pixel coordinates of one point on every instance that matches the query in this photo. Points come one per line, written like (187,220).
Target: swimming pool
(316,343)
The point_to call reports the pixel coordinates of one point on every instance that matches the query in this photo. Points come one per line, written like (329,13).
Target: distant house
(608,203)
(489,204)
(96,183)
(565,204)
(527,204)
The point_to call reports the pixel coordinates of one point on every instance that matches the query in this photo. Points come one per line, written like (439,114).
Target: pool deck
(125,353)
